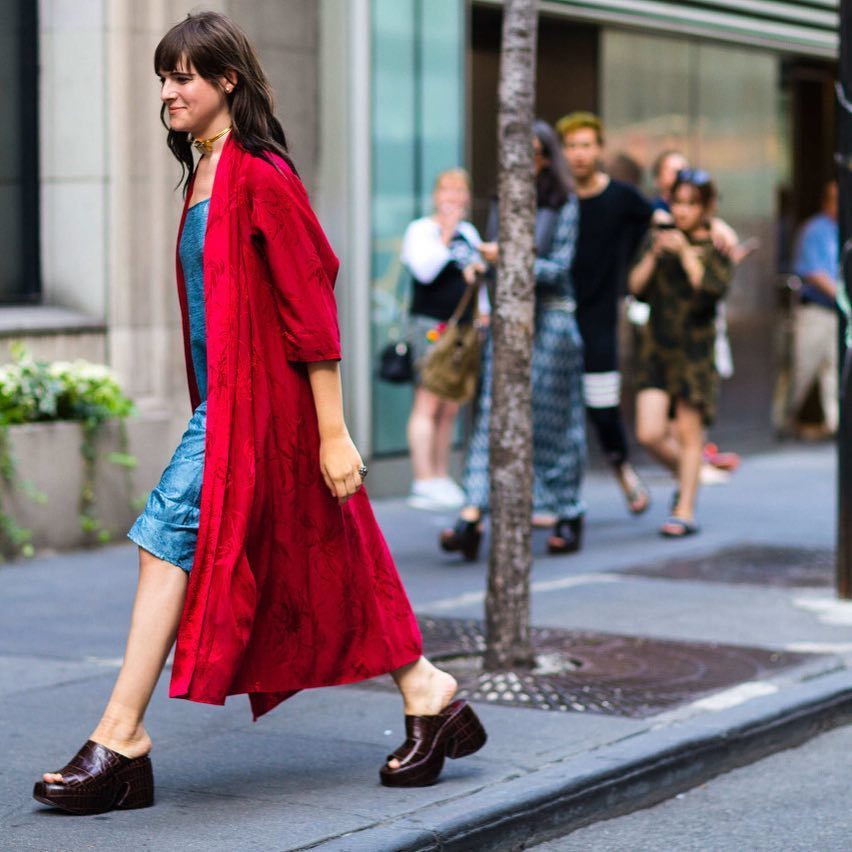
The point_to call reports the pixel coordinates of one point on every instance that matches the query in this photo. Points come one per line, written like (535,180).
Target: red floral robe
(288,589)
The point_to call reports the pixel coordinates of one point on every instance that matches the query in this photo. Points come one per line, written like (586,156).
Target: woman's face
(687,210)
(451,196)
(540,159)
(667,176)
(196,105)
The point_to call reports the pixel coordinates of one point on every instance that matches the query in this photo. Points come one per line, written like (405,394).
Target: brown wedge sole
(97,780)
(454,732)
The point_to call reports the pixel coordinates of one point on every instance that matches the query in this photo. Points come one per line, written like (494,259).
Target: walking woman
(440,252)
(258,549)
(559,437)
(682,276)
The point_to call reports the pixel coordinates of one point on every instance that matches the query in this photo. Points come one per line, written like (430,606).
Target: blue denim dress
(168,527)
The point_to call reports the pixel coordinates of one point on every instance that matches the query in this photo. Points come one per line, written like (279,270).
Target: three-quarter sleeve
(552,270)
(302,265)
(423,252)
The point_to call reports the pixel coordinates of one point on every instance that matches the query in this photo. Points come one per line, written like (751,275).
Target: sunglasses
(697,177)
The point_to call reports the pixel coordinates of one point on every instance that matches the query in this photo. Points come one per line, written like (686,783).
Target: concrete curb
(633,773)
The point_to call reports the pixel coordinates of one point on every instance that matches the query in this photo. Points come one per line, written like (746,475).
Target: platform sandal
(454,732)
(465,537)
(98,779)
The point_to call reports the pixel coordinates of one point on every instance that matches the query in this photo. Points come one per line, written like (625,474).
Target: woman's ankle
(115,729)
(425,688)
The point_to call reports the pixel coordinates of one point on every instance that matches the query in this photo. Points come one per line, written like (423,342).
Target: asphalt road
(794,801)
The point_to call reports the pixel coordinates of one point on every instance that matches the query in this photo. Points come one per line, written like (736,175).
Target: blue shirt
(192,263)
(817,250)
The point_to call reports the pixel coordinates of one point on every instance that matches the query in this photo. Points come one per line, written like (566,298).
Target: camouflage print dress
(676,351)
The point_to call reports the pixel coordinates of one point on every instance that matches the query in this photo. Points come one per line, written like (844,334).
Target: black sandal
(567,536)
(465,536)
(676,527)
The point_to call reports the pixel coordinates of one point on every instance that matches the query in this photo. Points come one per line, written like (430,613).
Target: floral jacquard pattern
(288,590)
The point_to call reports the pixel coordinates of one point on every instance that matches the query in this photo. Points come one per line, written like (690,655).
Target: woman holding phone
(682,276)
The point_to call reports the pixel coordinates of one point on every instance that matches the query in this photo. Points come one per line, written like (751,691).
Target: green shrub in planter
(37,391)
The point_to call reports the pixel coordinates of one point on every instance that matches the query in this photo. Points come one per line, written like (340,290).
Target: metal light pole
(844,180)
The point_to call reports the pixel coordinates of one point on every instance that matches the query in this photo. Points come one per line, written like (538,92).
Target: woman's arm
(424,252)
(717,269)
(675,242)
(549,271)
(643,269)
(693,265)
(339,460)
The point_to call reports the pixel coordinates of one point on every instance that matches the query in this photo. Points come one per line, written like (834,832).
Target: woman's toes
(52,778)
(393,764)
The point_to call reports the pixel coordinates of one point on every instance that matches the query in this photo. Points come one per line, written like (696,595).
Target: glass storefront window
(417,131)
(718,104)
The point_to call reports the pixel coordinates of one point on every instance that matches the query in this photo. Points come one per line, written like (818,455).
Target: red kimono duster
(288,590)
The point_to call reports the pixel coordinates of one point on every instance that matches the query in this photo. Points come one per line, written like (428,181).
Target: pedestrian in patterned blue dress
(559,432)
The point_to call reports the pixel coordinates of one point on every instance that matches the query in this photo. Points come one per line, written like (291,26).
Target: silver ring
(362,471)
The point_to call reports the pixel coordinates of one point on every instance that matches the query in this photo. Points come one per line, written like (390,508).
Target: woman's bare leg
(157,609)
(690,431)
(446,419)
(421,433)
(652,427)
(426,690)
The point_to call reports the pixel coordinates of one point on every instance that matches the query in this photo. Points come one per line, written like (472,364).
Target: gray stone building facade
(108,202)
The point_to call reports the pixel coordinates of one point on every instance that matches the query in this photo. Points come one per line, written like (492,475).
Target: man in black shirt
(612,214)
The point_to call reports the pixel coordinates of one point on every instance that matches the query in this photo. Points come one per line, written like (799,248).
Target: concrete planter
(48,456)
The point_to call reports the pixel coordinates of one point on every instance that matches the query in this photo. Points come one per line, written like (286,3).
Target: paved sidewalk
(306,775)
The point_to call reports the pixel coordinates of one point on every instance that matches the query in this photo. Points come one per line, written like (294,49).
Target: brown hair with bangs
(215,46)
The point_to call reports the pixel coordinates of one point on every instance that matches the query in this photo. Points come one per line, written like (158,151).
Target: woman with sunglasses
(682,276)
(258,548)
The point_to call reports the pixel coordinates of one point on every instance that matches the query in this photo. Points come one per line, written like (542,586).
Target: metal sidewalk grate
(586,672)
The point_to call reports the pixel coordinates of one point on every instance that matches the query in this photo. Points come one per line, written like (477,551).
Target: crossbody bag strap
(470,291)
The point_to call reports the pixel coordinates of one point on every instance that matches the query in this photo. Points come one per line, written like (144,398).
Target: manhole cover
(579,671)
(748,564)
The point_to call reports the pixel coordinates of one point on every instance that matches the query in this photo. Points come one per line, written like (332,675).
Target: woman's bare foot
(131,742)
(426,690)
(635,493)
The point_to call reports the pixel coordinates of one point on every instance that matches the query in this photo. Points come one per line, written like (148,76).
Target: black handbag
(395,363)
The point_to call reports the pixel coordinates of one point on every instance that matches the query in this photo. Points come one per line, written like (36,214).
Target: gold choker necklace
(206,145)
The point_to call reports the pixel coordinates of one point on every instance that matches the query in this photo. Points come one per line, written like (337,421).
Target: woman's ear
(229,81)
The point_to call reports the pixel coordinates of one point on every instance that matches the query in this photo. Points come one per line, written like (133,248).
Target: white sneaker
(453,494)
(713,475)
(431,494)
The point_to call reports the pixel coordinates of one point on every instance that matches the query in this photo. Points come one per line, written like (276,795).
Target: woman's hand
(449,217)
(724,237)
(671,240)
(471,271)
(489,251)
(339,463)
